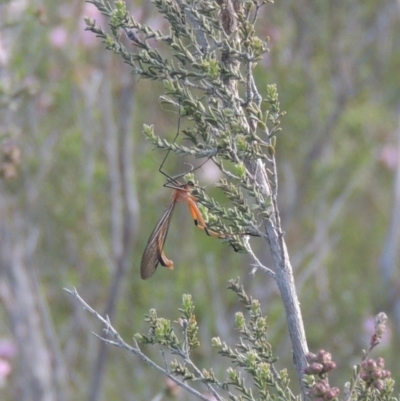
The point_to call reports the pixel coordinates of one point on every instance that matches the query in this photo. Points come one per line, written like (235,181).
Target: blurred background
(80,194)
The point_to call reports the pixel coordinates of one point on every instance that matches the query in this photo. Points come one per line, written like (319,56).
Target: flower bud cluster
(373,374)
(321,391)
(319,363)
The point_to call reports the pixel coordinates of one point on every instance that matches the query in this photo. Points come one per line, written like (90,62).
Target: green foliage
(252,356)
(161,331)
(253,353)
(223,127)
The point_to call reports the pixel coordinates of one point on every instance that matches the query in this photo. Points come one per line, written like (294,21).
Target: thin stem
(120,343)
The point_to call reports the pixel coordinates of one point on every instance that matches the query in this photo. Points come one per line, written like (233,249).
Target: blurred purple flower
(5,370)
(88,39)
(389,157)
(58,37)
(7,349)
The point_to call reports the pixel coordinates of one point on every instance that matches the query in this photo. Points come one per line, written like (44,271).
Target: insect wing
(153,253)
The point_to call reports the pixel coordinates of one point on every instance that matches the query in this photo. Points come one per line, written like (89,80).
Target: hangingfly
(154,251)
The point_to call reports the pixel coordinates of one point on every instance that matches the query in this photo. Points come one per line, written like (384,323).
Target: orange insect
(154,251)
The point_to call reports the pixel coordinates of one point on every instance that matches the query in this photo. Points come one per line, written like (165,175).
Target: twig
(120,343)
(257,264)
